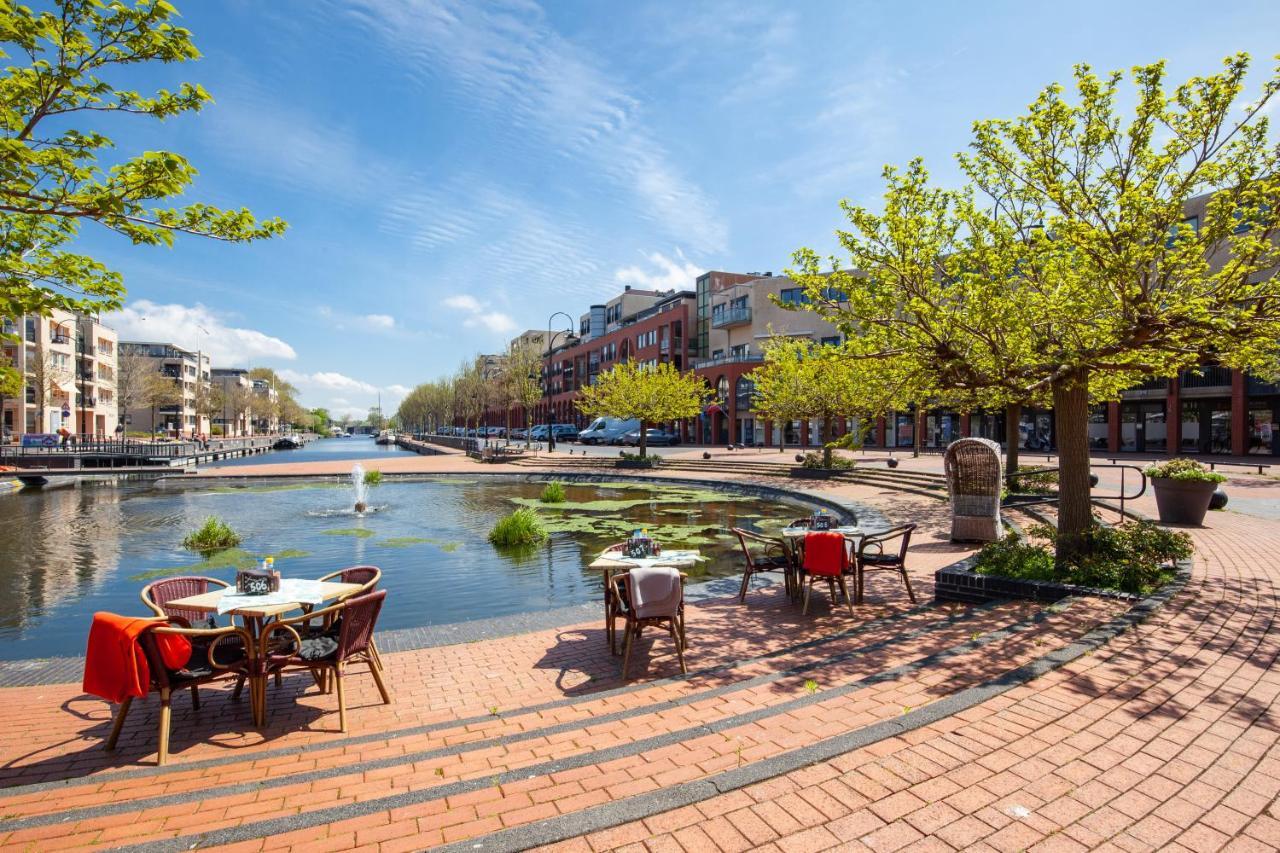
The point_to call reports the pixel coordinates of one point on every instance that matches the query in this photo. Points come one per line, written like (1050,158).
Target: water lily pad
(358,532)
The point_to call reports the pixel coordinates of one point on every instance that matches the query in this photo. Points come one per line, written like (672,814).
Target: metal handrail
(1017,500)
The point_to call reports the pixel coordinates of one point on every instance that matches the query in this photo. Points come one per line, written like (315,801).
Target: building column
(804,433)
(1239,414)
(768,433)
(1113,426)
(1173,417)
(964,425)
(880,428)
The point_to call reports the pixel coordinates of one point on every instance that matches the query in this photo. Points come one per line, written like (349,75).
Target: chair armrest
(217,635)
(272,629)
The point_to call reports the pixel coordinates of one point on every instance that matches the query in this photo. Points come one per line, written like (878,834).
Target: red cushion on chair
(175,650)
(824,553)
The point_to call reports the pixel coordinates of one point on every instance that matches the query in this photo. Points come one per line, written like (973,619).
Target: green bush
(522,527)
(1031,480)
(635,459)
(1014,557)
(1135,556)
(1184,469)
(552,493)
(813,459)
(372,478)
(214,535)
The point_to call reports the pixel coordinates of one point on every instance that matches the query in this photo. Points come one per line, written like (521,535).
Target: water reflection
(66,552)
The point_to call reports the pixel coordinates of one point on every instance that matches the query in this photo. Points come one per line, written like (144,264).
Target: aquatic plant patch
(214,535)
(232,558)
(358,532)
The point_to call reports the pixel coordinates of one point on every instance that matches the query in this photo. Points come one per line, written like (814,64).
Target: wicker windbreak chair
(975,478)
(771,556)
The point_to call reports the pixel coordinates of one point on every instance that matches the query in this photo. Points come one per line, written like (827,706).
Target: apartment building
(738,315)
(267,419)
(234,416)
(655,331)
(191,373)
(69,361)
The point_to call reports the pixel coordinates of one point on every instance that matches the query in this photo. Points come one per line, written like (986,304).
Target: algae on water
(232,558)
(358,532)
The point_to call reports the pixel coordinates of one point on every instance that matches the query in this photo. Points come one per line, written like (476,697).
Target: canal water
(321,450)
(67,551)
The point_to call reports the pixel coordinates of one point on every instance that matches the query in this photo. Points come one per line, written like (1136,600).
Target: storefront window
(1037,430)
(904,431)
(1262,427)
(1098,427)
(744,391)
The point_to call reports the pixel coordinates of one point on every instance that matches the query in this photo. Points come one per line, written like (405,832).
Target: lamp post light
(551,427)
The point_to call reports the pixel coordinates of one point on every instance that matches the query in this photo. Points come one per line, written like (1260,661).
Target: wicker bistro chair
(974,481)
(367,577)
(772,558)
(654,615)
(873,556)
(216,653)
(350,641)
(156,596)
(819,563)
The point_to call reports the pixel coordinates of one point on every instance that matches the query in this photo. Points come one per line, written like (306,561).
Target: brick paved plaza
(1008,726)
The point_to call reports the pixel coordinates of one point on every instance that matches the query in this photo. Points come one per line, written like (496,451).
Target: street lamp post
(551,427)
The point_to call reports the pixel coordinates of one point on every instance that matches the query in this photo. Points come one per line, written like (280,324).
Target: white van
(605,430)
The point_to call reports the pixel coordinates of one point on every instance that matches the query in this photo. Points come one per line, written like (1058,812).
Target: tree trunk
(826,442)
(644,438)
(917,433)
(1075,512)
(1012,433)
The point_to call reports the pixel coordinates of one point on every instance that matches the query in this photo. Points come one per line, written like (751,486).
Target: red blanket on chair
(824,553)
(115,665)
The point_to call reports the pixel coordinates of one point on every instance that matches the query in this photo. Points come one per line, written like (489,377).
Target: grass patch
(521,528)
(214,535)
(358,532)
(552,493)
(372,478)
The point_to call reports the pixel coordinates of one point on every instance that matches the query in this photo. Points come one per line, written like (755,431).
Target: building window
(793,296)
(739,351)
(831,341)
(744,392)
(722,389)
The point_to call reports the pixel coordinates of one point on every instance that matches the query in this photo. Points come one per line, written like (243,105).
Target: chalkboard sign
(256,582)
(641,546)
(820,521)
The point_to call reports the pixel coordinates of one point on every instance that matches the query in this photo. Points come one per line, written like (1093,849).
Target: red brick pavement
(1116,734)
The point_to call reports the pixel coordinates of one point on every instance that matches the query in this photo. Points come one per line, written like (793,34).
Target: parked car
(653,438)
(565,432)
(519,433)
(607,430)
(538,433)
(495,431)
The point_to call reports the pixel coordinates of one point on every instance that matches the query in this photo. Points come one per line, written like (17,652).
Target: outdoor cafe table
(256,610)
(610,562)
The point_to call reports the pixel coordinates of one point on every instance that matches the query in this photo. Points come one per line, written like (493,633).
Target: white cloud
(479,314)
(462,302)
(342,394)
(379,321)
(399,390)
(196,327)
(679,273)
(327,381)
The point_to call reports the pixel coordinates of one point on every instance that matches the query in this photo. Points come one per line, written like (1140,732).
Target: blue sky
(453,172)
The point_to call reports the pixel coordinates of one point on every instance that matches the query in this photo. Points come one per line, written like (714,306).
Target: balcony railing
(728,359)
(59,337)
(731,317)
(1206,377)
(1255,385)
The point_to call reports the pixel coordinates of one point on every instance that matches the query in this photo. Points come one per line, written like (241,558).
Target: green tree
(53,177)
(651,394)
(1069,269)
(522,379)
(322,419)
(801,380)
(376,420)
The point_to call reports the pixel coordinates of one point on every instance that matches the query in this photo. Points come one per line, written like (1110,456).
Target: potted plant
(813,466)
(1183,490)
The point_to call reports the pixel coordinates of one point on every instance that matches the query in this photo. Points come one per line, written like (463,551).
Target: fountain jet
(358,485)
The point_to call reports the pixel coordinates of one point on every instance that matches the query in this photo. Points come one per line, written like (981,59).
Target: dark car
(653,438)
(565,432)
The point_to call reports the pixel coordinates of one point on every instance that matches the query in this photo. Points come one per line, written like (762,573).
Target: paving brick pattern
(1164,736)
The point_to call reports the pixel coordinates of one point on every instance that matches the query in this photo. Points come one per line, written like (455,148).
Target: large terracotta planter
(1182,501)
